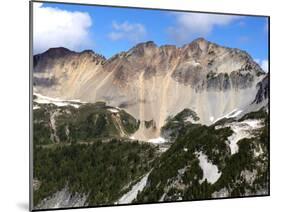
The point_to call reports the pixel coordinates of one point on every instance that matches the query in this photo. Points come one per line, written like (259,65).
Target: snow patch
(259,152)
(159,140)
(241,130)
(221,193)
(210,171)
(58,102)
(163,148)
(132,194)
(162,197)
(255,124)
(113,110)
(232,114)
(36,107)
(249,176)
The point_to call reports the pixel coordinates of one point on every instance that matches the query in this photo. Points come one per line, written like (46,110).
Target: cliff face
(153,83)
(263,90)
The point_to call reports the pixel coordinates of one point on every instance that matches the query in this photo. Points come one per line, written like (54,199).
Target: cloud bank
(55,27)
(133,32)
(191,25)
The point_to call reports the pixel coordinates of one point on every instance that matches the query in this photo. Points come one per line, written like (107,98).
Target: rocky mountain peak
(58,52)
(200,41)
(62,56)
(52,53)
(147,44)
(136,77)
(142,48)
(91,53)
(61,52)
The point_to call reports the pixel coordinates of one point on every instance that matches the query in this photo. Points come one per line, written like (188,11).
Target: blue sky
(109,30)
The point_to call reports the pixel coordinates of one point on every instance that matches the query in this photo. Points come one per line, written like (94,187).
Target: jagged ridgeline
(151,82)
(155,123)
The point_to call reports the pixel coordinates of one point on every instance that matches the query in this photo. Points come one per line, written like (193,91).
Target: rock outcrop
(263,90)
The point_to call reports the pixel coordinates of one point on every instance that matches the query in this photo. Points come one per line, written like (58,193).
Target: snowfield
(58,102)
(241,130)
(132,194)
(210,171)
(232,114)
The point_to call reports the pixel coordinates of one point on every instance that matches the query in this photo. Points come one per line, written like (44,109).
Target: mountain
(226,159)
(151,82)
(69,121)
(152,124)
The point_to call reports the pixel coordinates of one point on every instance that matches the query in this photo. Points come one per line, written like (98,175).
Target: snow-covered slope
(241,130)
(41,99)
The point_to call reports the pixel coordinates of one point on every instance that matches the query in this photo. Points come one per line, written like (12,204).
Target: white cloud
(263,64)
(191,25)
(133,32)
(54,27)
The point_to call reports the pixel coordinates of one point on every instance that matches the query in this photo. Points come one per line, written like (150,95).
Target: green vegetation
(185,114)
(87,123)
(245,159)
(130,124)
(174,125)
(41,127)
(99,170)
(177,173)
(261,114)
(85,149)
(194,139)
(93,157)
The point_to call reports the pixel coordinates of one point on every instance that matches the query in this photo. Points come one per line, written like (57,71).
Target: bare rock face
(263,90)
(62,199)
(58,70)
(151,82)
